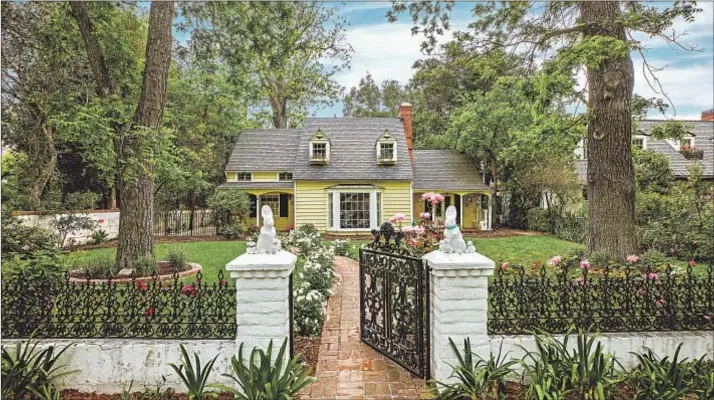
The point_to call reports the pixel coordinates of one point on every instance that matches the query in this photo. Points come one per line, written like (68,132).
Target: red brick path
(348,368)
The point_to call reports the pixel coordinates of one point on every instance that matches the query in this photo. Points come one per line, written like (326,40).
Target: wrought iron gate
(394,298)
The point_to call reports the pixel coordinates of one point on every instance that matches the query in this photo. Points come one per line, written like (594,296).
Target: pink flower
(640,292)
(504,266)
(556,260)
(398,217)
(581,281)
(188,290)
(652,276)
(141,285)
(411,242)
(408,229)
(223,282)
(433,198)
(419,230)
(425,215)
(692,263)
(660,302)
(632,259)
(149,311)
(585,264)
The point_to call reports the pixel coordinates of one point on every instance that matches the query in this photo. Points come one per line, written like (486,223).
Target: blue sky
(389,50)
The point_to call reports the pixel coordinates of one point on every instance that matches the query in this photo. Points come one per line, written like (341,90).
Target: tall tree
(288,51)
(368,99)
(598,37)
(136,223)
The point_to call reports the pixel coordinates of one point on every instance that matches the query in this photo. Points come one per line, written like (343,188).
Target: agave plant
(27,371)
(665,378)
(194,378)
(476,378)
(260,379)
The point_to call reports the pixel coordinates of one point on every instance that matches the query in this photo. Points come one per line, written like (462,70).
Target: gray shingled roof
(257,185)
(264,150)
(445,170)
(352,150)
(703,140)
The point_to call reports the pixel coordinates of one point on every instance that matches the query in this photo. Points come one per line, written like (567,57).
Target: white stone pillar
(263,298)
(459,306)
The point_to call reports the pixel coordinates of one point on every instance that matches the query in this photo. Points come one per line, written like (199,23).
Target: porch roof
(257,185)
(446,170)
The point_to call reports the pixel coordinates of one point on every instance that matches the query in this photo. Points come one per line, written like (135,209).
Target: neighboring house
(348,175)
(697,148)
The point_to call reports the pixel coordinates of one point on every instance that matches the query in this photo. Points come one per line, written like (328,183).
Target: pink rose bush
(433,198)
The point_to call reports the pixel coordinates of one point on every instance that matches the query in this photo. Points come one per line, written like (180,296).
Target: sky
(388,51)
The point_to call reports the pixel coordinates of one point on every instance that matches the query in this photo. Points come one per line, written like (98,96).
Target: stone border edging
(194,270)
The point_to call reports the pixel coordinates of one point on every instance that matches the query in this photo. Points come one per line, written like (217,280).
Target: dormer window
(386,149)
(244,176)
(319,148)
(285,176)
(639,142)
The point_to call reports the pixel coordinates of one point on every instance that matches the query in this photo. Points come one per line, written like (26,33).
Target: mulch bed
(72,394)
(309,350)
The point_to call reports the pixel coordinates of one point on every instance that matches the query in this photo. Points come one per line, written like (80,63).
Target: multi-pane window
(354,211)
(285,176)
(244,176)
(319,151)
(686,143)
(386,151)
(272,201)
(639,143)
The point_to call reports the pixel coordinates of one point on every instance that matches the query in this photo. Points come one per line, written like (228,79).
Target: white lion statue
(267,243)
(453,242)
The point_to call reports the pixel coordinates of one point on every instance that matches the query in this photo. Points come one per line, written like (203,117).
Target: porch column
(257,210)
(459,306)
(262,298)
(490,212)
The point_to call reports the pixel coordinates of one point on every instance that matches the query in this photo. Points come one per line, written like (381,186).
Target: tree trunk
(280,112)
(94,50)
(611,177)
(49,155)
(136,221)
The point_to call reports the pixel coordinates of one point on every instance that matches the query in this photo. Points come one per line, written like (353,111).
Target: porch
(474,211)
(279,196)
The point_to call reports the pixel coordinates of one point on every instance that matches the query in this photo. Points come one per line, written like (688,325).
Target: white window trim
(243,180)
(327,149)
(374,224)
(394,150)
(691,140)
(644,140)
(277,176)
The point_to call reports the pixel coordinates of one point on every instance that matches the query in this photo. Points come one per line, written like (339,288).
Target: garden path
(348,368)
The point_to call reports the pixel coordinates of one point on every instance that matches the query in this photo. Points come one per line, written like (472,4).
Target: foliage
(232,231)
(314,276)
(586,369)
(341,247)
(475,377)
(370,100)
(665,378)
(20,240)
(652,171)
(194,378)
(227,204)
(566,226)
(28,371)
(287,53)
(99,236)
(178,260)
(100,266)
(259,378)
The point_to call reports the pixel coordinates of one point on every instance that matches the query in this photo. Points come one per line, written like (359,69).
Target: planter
(692,154)
(163,275)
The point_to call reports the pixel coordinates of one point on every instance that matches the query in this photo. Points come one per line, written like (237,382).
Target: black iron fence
(610,299)
(178,308)
(186,223)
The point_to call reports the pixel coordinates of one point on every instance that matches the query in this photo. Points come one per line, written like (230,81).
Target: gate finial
(453,241)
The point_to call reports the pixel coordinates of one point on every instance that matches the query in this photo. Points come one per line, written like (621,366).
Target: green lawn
(515,249)
(212,256)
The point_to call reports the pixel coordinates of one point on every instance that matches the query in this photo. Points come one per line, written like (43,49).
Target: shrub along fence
(610,299)
(45,307)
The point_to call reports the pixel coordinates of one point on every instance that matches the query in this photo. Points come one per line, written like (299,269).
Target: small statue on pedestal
(453,242)
(267,242)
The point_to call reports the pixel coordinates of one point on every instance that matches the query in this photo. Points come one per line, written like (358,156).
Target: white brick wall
(107,220)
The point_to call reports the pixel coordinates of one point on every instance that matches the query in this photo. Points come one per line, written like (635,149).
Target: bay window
(353,210)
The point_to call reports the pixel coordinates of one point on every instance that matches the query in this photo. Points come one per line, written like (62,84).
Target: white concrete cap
(262,265)
(459,263)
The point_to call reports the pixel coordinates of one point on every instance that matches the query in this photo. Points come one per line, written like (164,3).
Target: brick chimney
(708,115)
(405,114)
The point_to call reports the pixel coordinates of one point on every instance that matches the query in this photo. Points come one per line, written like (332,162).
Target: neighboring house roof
(353,154)
(445,170)
(703,140)
(257,185)
(264,150)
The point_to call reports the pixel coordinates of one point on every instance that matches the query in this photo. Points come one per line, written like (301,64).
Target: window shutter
(447,201)
(457,204)
(253,205)
(283,205)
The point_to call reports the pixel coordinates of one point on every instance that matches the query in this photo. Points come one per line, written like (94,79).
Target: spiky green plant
(194,378)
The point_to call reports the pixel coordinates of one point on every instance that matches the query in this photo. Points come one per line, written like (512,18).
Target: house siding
(311,200)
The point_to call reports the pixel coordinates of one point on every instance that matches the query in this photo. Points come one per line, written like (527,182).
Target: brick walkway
(348,368)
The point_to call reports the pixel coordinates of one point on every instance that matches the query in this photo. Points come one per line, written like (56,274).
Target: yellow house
(348,175)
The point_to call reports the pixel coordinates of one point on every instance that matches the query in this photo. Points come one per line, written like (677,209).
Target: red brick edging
(195,269)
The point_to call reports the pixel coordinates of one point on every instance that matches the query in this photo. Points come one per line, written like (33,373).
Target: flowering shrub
(423,236)
(341,247)
(313,277)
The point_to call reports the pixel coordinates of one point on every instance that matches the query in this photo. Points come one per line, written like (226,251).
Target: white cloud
(698,33)
(365,6)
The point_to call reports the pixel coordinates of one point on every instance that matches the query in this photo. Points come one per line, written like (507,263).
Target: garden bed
(309,350)
(164,271)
